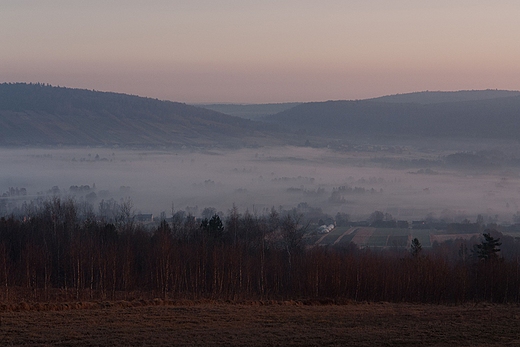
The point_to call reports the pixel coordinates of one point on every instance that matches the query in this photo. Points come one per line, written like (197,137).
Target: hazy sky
(262,50)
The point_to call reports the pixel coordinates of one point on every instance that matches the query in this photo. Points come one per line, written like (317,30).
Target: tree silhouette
(415,247)
(213,227)
(487,249)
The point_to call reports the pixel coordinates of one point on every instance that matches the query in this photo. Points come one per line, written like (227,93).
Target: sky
(260,51)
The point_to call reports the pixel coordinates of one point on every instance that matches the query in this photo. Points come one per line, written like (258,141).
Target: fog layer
(356,183)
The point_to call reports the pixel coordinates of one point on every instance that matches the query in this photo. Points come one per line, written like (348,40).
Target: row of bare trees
(57,253)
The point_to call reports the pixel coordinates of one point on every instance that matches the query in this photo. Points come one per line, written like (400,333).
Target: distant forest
(496,118)
(39,114)
(61,250)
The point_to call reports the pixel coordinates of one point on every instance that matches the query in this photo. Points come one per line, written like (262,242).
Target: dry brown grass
(256,323)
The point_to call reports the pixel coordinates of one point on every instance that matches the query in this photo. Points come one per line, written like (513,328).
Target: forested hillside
(37,114)
(250,111)
(438,97)
(497,117)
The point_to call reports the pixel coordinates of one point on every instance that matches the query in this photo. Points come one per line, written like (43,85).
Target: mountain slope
(36,114)
(487,118)
(438,97)
(250,111)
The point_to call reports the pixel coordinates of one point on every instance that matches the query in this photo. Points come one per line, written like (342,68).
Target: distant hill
(436,97)
(37,114)
(250,111)
(476,117)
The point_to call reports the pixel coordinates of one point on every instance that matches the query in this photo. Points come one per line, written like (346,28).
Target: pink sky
(248,51)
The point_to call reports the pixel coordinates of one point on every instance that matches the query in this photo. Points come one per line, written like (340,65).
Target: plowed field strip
(373,324)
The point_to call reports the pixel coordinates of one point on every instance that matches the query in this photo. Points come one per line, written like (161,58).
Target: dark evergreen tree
(213,228)
(415,247)
(487,249)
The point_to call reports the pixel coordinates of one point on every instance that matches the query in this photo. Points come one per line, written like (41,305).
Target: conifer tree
(487,249)
(416,247)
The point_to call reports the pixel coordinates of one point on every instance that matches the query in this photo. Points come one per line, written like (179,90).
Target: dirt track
(266,325)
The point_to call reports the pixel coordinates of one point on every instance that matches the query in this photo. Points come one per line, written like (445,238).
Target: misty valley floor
(278,324)
(409,185)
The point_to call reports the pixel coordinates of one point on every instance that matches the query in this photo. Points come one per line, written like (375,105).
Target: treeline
(64,251)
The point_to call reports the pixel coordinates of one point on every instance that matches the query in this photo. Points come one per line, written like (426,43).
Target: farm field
(266,324)
(366,237)
(333,236)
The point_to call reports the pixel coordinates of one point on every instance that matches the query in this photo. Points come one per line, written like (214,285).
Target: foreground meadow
(259,324)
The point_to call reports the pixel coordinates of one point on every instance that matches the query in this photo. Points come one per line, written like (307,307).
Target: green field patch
(329,239)
(379,238)
(362,236)
(345,240)
(338,231)
(389,237)
(397,237)
(394,231)
(398,241)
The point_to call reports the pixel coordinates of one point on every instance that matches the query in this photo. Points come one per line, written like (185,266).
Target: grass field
(367,237)
(264,324)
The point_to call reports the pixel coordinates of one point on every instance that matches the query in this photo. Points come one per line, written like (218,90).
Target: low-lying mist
(409,185)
